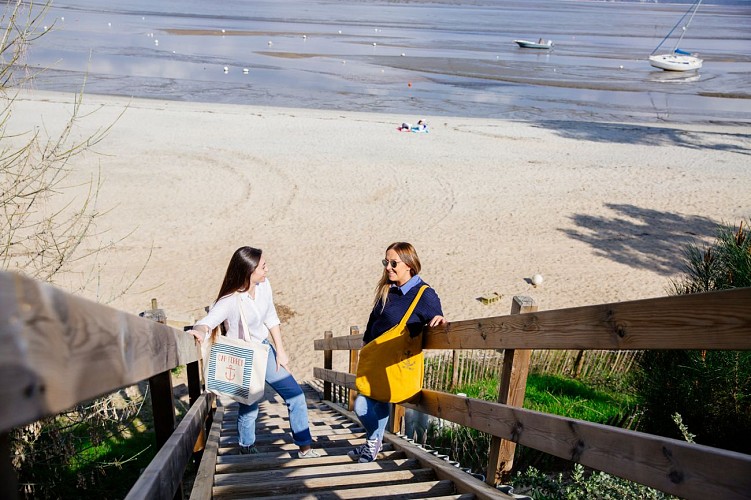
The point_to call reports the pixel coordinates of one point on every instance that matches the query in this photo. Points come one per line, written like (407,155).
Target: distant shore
(600,210)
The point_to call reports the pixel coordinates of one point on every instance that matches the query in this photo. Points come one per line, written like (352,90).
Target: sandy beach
(600,210)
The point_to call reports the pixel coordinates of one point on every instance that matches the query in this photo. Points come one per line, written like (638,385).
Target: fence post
(455,369)
(162,399)
(328,363)
(513,384)
(396,422)
(195,388)
(353,358)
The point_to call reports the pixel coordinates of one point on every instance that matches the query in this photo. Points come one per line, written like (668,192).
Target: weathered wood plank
(164,473)
(267,439)
(316,470)
(712,320)
(436,490)
(204,480)
(235,485)
(676,467)
(338,378)
(344,343)
(241,463)
(60,349)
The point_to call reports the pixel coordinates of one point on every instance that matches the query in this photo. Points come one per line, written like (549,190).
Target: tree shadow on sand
(641,237)
(650,135)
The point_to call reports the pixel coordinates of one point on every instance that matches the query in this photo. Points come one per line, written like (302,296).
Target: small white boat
(675,62)
(540,44)
(678,60)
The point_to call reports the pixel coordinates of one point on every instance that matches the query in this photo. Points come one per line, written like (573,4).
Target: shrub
(711,390)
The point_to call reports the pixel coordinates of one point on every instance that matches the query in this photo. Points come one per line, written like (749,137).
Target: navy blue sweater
(382,319)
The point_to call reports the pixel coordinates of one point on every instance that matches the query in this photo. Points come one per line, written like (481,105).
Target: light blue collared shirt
(414,280)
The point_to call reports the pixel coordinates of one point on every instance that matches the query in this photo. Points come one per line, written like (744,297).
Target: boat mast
(683,30)
(694,7)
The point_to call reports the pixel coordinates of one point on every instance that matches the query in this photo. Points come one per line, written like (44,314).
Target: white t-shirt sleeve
(218,313)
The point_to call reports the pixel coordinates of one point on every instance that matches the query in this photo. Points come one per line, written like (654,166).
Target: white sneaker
(311,453)
(370,453)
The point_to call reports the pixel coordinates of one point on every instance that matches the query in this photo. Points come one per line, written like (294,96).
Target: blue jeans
(373,415)
(287,387)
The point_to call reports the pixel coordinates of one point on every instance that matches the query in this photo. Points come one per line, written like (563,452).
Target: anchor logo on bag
(229,373)
(406,362)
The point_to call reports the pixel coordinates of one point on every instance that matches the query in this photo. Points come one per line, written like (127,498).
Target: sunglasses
(392,263)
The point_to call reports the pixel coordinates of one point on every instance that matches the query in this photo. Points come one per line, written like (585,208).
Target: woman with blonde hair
(397,289)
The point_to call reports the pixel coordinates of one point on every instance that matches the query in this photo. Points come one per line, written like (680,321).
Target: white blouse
(260,313)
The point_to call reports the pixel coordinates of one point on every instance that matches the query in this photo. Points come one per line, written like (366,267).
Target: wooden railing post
(353,358)
(195,389)
(328,364)
(162,399)
(512,387)
(396,421)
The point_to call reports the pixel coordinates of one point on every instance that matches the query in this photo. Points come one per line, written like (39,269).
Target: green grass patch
(565,397)
(575,399)
(115,451)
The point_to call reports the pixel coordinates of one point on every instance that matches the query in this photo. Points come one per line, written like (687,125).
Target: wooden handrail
(712,320)
(159,479)
(60,350)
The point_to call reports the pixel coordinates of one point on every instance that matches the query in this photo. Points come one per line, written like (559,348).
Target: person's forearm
(276,335)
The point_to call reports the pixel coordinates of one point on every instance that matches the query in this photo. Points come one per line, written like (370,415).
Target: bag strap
(413,305)
(242,319)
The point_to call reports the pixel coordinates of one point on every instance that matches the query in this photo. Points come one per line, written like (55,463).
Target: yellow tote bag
(390,368)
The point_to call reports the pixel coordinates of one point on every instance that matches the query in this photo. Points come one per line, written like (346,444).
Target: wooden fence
(715,320)
(447,370)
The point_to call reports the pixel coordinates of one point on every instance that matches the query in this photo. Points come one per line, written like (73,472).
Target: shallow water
(410,57)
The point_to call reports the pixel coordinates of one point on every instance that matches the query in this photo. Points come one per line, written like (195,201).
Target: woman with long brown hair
(245,284)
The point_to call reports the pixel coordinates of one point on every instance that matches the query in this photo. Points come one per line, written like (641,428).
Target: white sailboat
(678,60)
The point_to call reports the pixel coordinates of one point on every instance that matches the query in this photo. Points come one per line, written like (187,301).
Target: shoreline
(601,210)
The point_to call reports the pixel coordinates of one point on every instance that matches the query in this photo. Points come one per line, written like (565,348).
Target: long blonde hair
(408,255)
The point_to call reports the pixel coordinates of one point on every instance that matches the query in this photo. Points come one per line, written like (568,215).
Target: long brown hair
(408,255)
(242,264)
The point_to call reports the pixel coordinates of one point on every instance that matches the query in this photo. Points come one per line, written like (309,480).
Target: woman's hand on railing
(200,335)
(437,320)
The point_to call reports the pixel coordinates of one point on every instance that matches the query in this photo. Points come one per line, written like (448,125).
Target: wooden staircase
(403,469)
